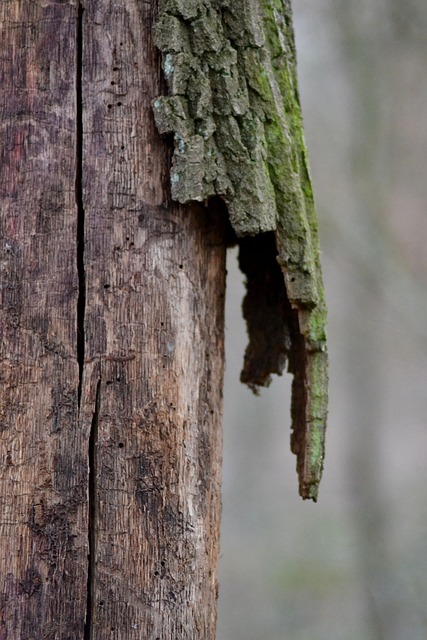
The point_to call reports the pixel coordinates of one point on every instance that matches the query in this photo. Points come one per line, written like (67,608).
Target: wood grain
(111,340)
(155,276)
(43,454)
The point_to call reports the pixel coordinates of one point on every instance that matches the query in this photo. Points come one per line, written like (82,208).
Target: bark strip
(233,108)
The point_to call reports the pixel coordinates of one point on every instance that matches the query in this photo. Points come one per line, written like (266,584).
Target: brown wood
(154,344)
(43,455)
(111,340)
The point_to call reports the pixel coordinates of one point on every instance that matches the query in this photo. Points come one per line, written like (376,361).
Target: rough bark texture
(111,341)
(233,107)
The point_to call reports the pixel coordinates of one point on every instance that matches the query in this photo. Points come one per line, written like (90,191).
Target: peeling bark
(233,108)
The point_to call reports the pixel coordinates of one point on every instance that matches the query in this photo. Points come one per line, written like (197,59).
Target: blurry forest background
(354,565)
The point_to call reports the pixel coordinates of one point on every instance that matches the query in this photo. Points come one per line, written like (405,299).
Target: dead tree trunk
(111,341)
(112,299)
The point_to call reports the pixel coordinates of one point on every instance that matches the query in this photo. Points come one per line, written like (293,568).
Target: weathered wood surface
(43,453)
(154,344)
(111,341)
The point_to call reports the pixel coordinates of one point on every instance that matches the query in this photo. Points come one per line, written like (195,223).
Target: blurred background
(354,565)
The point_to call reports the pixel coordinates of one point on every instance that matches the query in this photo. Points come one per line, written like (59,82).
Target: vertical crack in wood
(81,309)
(92,482)
(81,300)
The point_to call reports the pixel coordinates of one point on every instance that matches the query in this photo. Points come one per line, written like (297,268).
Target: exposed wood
(153,349)
(43,455)
(111,341)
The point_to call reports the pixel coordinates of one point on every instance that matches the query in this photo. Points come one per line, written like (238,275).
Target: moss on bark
(233,107)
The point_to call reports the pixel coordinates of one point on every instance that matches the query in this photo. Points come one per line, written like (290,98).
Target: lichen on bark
(233,108)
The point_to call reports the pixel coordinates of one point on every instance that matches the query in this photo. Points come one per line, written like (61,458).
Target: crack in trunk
(81,300)
(81,309)
(93,440)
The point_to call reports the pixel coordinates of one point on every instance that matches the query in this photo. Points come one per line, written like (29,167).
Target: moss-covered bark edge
(233,108)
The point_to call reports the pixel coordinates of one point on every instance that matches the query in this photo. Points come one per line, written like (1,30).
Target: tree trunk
(111,341)
(113,296)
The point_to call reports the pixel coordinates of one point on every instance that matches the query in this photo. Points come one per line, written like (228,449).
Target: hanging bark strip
(233,107)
